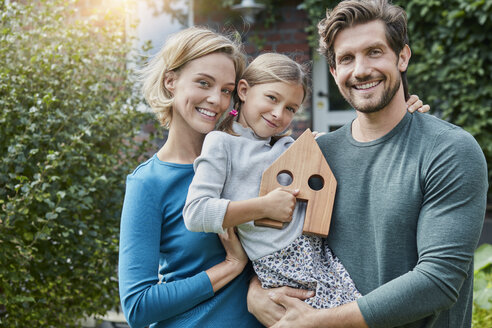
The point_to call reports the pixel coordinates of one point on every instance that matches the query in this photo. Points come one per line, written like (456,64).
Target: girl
(224,190)
(189,85)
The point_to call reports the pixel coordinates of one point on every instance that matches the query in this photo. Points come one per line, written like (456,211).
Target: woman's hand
(234,263)
(235,253)
(415,104)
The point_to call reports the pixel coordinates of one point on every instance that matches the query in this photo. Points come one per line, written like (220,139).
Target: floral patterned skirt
(308,265)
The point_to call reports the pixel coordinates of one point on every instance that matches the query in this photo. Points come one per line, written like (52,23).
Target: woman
(189,85)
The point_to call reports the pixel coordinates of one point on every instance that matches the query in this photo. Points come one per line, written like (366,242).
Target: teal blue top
(154,241)
(407,217)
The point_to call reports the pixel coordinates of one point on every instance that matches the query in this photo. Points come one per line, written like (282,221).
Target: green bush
(67,127)
(482,288)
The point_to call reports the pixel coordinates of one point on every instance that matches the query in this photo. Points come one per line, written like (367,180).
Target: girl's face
(268,108)
(202,91)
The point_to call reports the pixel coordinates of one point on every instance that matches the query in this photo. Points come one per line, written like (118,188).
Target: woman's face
(202,91)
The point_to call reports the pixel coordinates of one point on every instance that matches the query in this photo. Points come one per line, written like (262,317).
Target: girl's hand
(415,104)
(279,204)
(235,253)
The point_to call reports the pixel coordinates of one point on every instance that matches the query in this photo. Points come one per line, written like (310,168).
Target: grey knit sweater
(230,169)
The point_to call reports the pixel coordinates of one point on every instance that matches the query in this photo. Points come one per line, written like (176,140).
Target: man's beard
(370,107)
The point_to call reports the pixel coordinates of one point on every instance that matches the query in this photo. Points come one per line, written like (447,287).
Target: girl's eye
(272,98)
(227,91)
(291,109)
(204,83)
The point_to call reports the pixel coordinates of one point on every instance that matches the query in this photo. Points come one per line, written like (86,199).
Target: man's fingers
(278,298)
(301,294)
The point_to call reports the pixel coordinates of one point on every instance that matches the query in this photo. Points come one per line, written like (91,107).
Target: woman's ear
(242,89)
(170,79)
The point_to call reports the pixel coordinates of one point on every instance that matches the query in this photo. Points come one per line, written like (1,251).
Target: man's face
(367,72)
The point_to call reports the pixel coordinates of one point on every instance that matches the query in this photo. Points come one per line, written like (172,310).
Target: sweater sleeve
(144,300)
(204,209)
(448,229)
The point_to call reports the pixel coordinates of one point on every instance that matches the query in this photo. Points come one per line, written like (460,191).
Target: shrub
(67,126)
(482,288)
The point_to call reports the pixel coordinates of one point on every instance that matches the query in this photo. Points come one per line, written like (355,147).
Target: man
(411,191)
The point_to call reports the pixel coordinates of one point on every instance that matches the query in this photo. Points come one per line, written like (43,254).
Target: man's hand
(264,308)
(297,313)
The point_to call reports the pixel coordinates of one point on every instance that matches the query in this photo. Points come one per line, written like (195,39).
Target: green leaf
(483,257)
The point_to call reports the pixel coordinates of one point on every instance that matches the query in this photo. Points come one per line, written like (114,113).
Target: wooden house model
(309,172)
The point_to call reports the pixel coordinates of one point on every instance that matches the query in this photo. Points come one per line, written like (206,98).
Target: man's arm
(448,228)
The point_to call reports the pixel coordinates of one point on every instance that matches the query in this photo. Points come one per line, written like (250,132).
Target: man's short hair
(349,13)
(353,12)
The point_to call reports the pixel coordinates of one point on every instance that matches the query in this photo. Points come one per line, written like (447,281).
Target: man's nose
(361,68)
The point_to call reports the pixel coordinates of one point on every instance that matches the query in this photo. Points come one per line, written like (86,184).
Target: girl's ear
(170,79)
(242,89)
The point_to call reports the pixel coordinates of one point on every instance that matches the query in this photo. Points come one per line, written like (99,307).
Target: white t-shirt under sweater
(230,169)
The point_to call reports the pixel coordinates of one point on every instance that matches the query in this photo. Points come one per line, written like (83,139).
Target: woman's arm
(144,300)
(234,263)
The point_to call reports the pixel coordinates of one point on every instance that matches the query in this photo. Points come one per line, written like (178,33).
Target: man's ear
(170,79)
(242,89)
(333,72)
(404,58)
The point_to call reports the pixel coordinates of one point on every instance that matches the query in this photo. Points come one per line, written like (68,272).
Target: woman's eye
(203,83)
(227,91)
(291,109)
(272,98)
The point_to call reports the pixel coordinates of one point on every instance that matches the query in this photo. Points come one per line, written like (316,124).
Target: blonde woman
(189,85)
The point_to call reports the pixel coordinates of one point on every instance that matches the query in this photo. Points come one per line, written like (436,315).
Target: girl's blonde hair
(181,48)
(269,68)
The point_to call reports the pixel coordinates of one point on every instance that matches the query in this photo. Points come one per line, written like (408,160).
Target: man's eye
(344,59)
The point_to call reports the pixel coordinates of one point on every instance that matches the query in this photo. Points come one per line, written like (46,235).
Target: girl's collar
(247,132)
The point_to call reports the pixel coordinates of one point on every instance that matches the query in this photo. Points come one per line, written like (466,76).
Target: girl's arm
(277,205)
(206,210)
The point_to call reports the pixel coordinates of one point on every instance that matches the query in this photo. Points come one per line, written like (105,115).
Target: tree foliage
(67,127)
(451,65)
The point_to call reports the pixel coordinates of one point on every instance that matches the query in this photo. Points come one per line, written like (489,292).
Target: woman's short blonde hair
(181,48)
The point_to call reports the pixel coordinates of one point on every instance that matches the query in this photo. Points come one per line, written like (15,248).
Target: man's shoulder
(433,128)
